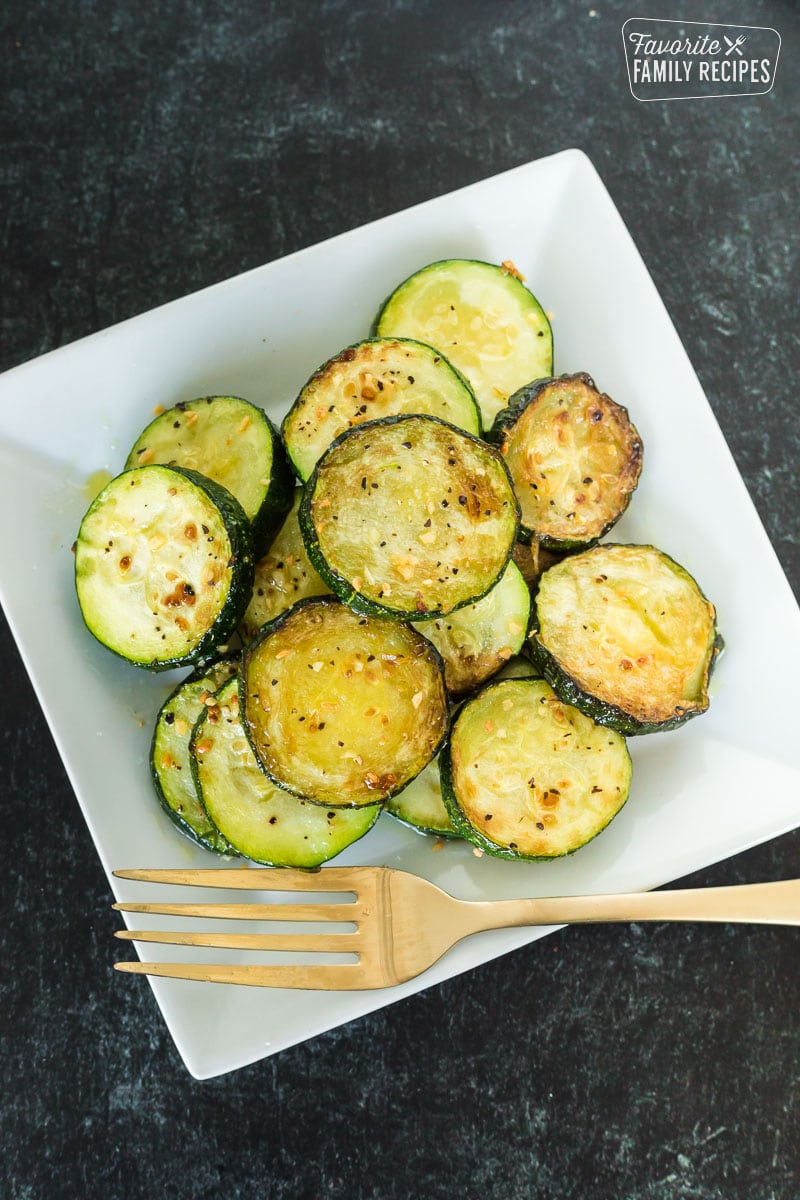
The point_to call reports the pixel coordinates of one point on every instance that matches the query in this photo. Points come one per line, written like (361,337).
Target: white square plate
(719,785)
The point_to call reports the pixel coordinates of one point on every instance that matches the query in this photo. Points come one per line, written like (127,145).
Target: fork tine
(248,912)
(341,943)
(340,978)
(272,879)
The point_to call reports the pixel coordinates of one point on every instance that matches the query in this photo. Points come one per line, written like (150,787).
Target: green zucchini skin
(178,794)
(170,440)
(578,389)
(562,846)
(604,712)
(342,586)
(601,711)
(277,502)
(261,821)
(435,387)
(240,568)
(455,278)
(376,737)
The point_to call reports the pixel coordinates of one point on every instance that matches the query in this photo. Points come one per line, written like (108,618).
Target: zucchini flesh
(526,776)
(283,576)
(170,757)
(230,441)
(163,566)
(483,317)
(625,633)
(574,456)
(420,805)
(260,820)
(342,709)
(376,378)
(409,517)
(477,640)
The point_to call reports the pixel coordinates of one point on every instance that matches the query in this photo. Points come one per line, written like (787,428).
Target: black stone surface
(151,148)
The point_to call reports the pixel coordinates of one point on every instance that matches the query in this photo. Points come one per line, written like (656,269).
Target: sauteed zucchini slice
(409,517)
(574,456)
(625,634)
(483,317)
(421,806)
(163,566)
(283,576)
(232,442)
(260,820)
(170,758)
(525,775)
(376,378)
(340,708)
(477,640)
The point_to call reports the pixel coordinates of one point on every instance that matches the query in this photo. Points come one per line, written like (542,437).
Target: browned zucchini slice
(260,820)
(483,317)
(163,566)
(626,635)
(342,708)
(525,775)
(231,441)
(477,640)
(376,378)
(574,457)
(409,517)
(283,576)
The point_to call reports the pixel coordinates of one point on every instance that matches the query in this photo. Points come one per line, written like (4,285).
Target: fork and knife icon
(735,45)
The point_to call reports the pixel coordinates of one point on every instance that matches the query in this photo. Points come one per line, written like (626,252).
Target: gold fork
(404,924)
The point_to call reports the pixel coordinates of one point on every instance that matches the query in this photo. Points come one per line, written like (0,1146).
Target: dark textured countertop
(150,149)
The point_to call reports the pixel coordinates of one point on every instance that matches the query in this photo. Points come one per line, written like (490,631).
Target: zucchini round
(170,757)
(475,641)
(409,517)
(483,317)
(342,709)
(283,576)
(420,805)
(377,378)
(625,634)
(232,442)
(574,456)
(163,566)
(260,820)
(526,776)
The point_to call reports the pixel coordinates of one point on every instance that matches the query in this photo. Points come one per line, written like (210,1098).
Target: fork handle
(753,903)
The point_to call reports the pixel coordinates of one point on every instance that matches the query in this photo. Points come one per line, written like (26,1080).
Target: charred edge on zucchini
(574,456)
(483,317)
(409,517)
(260,820)
(526,776)
(231,441)
(341,708)
(625,634)
(163,566)
(170,757)
(376,378)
